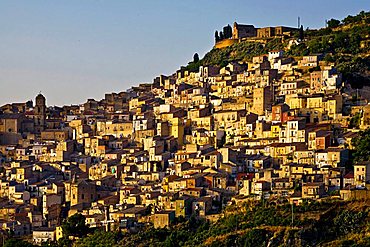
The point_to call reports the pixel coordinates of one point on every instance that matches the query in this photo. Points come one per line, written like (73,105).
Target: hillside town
(275,128)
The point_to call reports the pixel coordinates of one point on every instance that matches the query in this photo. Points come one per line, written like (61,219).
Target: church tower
(40,113)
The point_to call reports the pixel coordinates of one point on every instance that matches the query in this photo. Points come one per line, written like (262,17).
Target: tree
(17,243)
(64,242)
(227,31)
(196,58)
(255,237)
(193,66)
(217,38)
(348,221)
(301,33)
(362,146)
(221,35)
(355,121)
(75,226)
(100,238)
(351,19)
(230,30)
(333,23)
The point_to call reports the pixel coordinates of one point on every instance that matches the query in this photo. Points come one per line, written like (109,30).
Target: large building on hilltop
(243,31)
(268,32)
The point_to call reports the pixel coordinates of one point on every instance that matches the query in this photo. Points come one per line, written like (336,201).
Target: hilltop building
(247,31)
(243,31)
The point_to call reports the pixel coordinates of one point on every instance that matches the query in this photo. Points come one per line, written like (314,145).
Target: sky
(72,50)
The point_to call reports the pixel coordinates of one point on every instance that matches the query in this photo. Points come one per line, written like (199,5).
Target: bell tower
(40,113)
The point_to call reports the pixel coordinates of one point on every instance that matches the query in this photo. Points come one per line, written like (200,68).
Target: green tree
(347,221)
(221,35)
(228,32)
(196,58)
(333,23)
(17,243)
(362,146)
(99,239)
(193,66)
(64,242)
(349,19)
(301,33)
(217,38)
(355,121)
(255,237)
(225,32)
(75,226)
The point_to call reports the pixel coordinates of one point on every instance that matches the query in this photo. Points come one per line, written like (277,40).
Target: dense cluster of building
(188,143)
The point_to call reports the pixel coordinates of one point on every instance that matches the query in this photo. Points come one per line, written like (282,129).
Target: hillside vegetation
(263,223)
(346,43)
(328,223)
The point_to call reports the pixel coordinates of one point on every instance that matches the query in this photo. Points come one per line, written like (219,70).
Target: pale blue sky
(72,50)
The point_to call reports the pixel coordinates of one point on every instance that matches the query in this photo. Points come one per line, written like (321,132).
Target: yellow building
(262,100)
(362,173)
(225,117)
(177,129)
(333,106)
(115,128)
(315,102)
(163,219)
(304,157)
(58,233)
(275,130)
(296,102)
(183,207)
(313,190)
(54,135)
(80,192)
(63,150)
(202,122)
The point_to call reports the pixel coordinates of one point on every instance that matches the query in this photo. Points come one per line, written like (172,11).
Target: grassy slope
(259,224)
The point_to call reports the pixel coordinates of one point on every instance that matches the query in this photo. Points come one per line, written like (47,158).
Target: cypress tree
(217,38)
(301,33)
(196,58)
(221,35)
(230,31)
